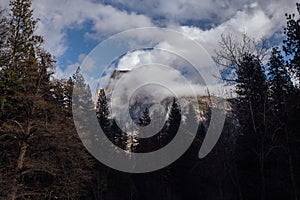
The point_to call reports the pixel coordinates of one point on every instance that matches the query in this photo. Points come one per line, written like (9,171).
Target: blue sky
(72,28)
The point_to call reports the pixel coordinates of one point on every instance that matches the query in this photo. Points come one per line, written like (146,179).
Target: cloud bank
(203,21)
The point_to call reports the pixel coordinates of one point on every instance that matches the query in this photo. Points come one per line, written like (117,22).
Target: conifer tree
(289,118)
(26,73)
(173,122)
(3,56)
(292,42)
(251,112)
(251,89)
(37,136)
(280,84)
(145,118)
(102,110)
(281,90)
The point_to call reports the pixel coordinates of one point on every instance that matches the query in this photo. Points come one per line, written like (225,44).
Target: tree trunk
(262,174)
(291,168)
(19,166)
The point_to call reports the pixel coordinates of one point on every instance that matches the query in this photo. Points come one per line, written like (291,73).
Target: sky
(72,28)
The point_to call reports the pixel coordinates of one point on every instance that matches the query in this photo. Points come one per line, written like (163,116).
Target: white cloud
(216,11)
(256,17)
(253,20)
(158,66)
(178,10)
(57,16)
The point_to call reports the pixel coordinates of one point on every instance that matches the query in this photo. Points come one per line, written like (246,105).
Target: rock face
(145,98)
(115,76)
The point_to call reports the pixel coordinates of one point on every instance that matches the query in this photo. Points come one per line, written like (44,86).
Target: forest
(42,156)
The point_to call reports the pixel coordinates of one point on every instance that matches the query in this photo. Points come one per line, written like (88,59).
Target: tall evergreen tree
(3,55)
(83,106)
(292,42)
(102,110)
(173,122)
(3,34)
(251,88)
(291,107)
(145,118)
(175,113)
(39,147)
(25,108)
(252,106)
(280,84)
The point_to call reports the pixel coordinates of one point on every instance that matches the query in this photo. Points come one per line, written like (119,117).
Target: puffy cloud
(252,20)
(180,10)
(165,68)
(57,16)
(216,11)
(256,17)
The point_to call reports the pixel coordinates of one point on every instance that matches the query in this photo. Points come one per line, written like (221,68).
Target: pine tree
(175,113)
(37,134)
(251,112)
(292,42)
(289,118)
(251,88)
(102,110)
(281,89)
(3,35)
(280,84)
(83,106)
(26,75)
(173,121)
(3,56)
(145,119)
